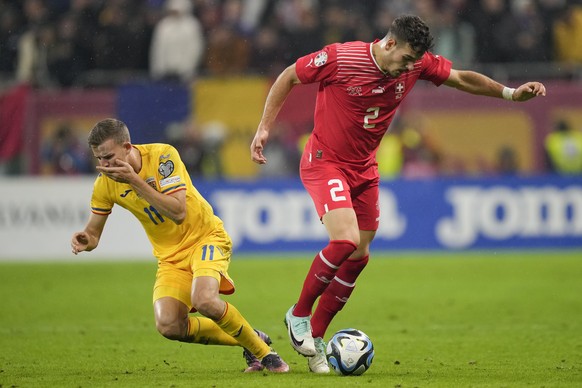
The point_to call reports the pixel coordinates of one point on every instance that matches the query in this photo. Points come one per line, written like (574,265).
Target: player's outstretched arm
(479,84)
(88,239)
(275,99)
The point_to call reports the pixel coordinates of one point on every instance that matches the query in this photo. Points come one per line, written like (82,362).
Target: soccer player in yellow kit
(188,239)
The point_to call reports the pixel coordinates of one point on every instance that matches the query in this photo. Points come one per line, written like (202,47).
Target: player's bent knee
(172,329)
(212,308)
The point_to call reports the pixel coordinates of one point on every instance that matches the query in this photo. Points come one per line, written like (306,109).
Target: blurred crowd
(82,42)
(410,150)
(86,43)
(407,151)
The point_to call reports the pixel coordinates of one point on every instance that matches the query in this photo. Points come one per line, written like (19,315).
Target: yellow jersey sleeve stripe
(173,189)
(97,210)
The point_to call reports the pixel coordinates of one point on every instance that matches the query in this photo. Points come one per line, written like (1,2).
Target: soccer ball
(350,352)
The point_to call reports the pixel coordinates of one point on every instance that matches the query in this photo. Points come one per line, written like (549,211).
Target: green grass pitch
(509,319)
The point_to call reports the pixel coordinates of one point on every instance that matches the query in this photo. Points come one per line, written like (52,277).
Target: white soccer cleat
(318,363)
(299,329)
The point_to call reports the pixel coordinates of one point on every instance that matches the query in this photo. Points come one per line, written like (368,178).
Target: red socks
(336,295)
(322,271)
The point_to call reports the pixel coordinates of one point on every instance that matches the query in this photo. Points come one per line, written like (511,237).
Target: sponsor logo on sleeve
(169,181)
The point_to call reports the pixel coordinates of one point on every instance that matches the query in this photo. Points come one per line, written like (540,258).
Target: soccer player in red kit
(360,87)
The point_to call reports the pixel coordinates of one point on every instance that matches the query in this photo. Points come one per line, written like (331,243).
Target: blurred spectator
(523,30)
(10,25)
(563,148)
(421,156)
(289,13)
(36,12)
(423,165)
(252,14)
(209,14)
(486,18)
(212,136)
(382,18)
(86,16)
(305,37)
(283,158)
(177,44)
(187,140)
(336,26)
(34,55)
(507,163)
(69,59)
(390,155)
(34,44)
(232,15)
(228,53)
(267,52)
(453,165)
(200,146)
(550,11)
(427,11)
(123,40)
(568,35)
(397,7)
(65,154)
(359,25)
(455,38)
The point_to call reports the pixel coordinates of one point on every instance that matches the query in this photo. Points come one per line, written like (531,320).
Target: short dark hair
(414,31)
(108,129)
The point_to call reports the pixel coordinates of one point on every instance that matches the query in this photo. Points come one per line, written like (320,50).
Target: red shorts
(334,186)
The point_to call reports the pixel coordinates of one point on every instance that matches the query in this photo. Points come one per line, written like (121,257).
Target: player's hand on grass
(528,91)
(257,146)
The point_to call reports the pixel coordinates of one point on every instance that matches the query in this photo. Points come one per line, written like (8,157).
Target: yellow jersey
(565,151)
(163,169)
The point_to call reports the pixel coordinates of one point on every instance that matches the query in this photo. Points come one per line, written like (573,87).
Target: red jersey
(356,101)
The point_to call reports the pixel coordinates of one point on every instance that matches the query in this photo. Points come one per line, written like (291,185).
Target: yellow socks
(205,331)
(231,330)
(234,324)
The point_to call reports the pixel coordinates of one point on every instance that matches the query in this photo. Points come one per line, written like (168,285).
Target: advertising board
(39,215)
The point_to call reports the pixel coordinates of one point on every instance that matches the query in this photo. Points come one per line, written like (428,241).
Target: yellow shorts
(208,258)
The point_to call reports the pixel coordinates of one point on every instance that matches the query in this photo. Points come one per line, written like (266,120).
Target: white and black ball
(350,352)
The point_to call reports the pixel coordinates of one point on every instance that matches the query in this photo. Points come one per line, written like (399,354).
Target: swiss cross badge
(399,90)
